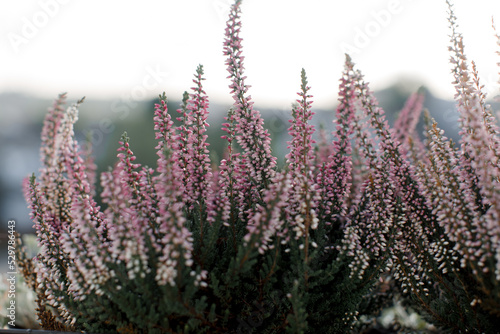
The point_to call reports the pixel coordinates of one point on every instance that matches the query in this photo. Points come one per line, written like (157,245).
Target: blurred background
(122,54)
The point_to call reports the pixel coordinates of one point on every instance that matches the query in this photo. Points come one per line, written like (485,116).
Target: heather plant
(457,285)
(321,245)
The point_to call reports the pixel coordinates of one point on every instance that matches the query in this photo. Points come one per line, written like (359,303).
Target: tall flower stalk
(252,137)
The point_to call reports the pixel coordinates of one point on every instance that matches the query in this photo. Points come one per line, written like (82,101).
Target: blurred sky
(136,49)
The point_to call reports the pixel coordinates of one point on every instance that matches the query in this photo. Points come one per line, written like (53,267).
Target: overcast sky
(137,49)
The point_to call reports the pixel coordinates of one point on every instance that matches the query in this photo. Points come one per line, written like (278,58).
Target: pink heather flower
(303,196)
(367,230)
(176,245)
(407,120)
(228,202)
(89,228)
(50,204)
(141,195)
(489,119)
(359,175)
(68,215)
(50,128)
(137,221)
(77,176)
(52,181)
(406,123)
(113,190)
(334,175)
(484,163)
(224,198)
(47,234)
(174,239)
(479,142)
(392,159)
(170,181)
(197,161)
(371,232)
(453,201)
(234,183)
(163,125)
(464,90)
(221,203)
(252,137)
(301,157)
(182,135)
